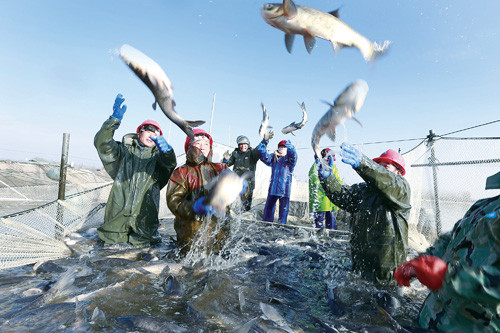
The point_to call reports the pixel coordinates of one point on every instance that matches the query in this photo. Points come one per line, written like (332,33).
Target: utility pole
(212,116)
(432,162)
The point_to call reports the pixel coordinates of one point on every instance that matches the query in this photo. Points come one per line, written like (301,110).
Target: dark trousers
(330,221)
(271,205)
(246,201)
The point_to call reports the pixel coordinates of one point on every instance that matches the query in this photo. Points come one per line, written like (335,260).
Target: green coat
(469,299)
(379,208)
(318,201)
(245,163)
(139,173)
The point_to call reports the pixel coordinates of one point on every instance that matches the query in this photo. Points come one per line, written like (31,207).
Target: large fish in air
(224,189)
(312,23)
(157,81)
(345,106)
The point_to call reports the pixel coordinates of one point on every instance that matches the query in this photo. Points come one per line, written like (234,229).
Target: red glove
(430,270)
(404,273)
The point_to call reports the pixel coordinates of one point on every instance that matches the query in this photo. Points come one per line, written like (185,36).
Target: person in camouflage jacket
(379,208)
(462,269)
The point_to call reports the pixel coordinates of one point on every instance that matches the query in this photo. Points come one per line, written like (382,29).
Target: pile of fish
(287,279)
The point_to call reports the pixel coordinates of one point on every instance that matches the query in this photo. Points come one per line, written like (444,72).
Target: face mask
(282,150)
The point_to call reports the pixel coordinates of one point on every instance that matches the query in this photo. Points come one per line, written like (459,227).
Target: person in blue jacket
(282,162)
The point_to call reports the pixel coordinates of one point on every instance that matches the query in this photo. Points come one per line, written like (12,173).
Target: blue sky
(60,71)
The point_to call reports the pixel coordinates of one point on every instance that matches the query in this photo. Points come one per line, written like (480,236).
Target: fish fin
(337,47)
(195,123)
(289,8)
(309,40)
(328,103)
(356,120)
(289,38)
(335,12)
(154,105)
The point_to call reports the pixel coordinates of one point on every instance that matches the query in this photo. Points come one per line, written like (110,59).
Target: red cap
(393,157)
(150,122)
(282,143)
(328,151)
(197,131)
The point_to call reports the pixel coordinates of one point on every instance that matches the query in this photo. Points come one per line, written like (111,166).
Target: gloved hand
(404,274)
(429,270)
(351,155)
(201,209)
(323,173)
(226,156)
(289,146)
(244,189)
(269,135)
(118,109)
(161,143)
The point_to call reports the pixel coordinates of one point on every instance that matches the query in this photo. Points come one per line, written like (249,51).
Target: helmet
(393,157)
(150,122)
(328,151)
(242,139)
(197,131)
(282,143)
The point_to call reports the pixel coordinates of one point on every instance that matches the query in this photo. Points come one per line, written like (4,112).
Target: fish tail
(194,123)
(377,50)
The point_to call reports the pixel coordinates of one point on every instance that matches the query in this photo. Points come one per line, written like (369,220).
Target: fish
(312,23)
(264,125)
(224,189)
(150,324)
(160,85)
(294,125)
(172,287)
(272,314)
(345,106)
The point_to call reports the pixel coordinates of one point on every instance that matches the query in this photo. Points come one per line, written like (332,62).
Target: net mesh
(446,175)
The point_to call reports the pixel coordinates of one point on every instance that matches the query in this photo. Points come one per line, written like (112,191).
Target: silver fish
(172,287)
(223,190)
(345,106)
(312,23)
(295,126)
(157,81)
(264,125)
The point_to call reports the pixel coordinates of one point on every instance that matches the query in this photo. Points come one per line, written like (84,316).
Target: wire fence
(446,174)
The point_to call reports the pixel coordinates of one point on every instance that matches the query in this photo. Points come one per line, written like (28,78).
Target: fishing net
(446,175)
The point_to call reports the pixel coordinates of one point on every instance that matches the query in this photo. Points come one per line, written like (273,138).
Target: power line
(468,128)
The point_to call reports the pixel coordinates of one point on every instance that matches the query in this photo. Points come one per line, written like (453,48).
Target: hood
(493,182)
(198,131)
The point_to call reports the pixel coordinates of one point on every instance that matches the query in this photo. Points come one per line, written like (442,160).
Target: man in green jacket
(140,166)
(379,208)
(319,204)
(462,269)
(244,158)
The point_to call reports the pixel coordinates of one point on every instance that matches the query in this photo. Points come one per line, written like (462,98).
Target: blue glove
(118,110)
(351,155)
(289,146)
(322,173)
(201,209)
(161,143)
(244,189)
